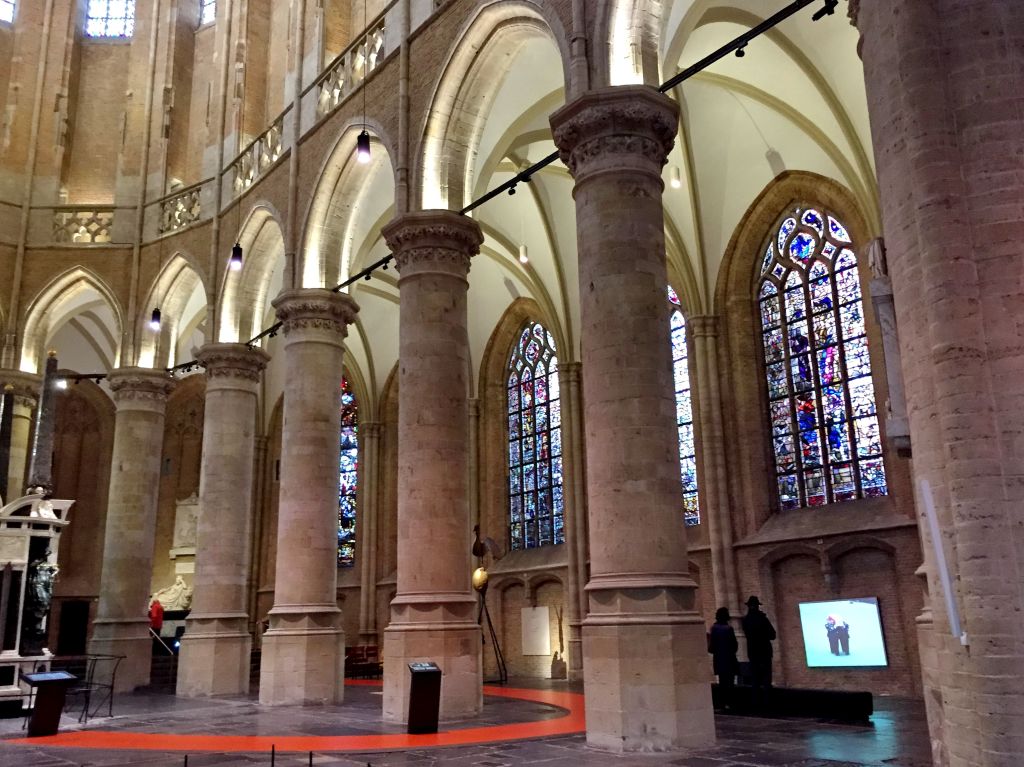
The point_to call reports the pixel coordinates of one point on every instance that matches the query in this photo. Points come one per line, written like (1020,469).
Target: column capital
(233,363)
(24,386)
(570,371)
(140,385)
(704,325)
(620,127)
(371,429)
(436,241)
(853,11)
(316,309)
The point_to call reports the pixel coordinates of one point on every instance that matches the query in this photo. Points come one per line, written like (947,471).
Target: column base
(442,631)
(648,678)
(215,656)
(303,658)
(129,638)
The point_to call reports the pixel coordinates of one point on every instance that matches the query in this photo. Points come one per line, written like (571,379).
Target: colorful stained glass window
(348,472)
(110,18)
(822,413)
(7,10)
(536,506)
(207,11)
(684,409)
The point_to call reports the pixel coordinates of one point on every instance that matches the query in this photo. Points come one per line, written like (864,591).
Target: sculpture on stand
(38,595)
(480,578)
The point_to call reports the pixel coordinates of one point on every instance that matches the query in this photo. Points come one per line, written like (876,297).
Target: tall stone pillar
(25,387)
(215,649)
(644,649)
(945,91)
(433,616)
(122,626)
(716,496)
(369,460)
(303,660)
(575,522)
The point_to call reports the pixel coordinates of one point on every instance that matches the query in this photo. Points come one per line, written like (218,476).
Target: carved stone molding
(233,361)
(853,11)
(703,325)
(140,385)
(24,386)
(438,239)
(315,309)
(612,125)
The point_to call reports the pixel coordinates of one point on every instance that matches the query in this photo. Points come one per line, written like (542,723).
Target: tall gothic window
(347,476)
(534,441)
(684,410)
(821,395)
(110,18)
(207,11)
(7,10)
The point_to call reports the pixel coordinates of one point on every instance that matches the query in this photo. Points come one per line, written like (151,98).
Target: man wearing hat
(760,634)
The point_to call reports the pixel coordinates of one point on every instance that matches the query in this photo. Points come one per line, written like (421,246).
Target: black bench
(838,705)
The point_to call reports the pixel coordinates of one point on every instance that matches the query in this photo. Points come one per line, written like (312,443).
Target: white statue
(177,596)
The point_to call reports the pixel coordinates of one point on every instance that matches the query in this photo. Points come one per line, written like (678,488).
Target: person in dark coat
(760,634)
(722,645)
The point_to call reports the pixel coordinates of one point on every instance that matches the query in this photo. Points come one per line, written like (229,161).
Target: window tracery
(207,11)
(821,399)
(110,18)
(684,410)
(536,504)
(348,469)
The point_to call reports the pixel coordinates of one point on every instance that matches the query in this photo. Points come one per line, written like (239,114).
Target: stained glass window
(207,11)
(110,18)
(684,410)
(821,397)
(347,476)
(536,506)
(7,10)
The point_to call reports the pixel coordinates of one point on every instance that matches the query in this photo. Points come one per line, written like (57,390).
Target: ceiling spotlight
(154,320)
(363,147)
(235,264)
(740,53)
(524,256)
(677,178)
(62,383)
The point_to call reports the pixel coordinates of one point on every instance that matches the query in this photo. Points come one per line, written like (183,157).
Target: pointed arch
(246,293)
(64,298)
(343,194)
(627,40)
(179,291)
(477,65)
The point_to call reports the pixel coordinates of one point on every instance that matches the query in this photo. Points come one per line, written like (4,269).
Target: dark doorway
(74,625)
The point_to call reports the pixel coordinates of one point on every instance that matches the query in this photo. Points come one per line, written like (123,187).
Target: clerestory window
(110,18)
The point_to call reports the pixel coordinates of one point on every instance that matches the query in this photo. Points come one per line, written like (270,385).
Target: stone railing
(180,210)
(350,68)
(82,225)
(256,158)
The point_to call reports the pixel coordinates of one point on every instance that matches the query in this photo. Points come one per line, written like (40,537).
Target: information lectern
(424,698)
(50,688)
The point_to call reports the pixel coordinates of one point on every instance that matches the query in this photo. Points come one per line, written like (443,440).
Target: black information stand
(424,698)
(50,690)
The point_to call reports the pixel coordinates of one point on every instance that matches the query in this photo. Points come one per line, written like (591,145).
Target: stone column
(122,626)
(433,616)
(945,91)
(712,451)
(215,649)
(369,459)
(575,524)
(303,659)
(25,387)
(644,649)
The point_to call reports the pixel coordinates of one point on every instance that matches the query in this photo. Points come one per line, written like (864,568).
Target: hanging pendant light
(677,179)
(524,256)
(363,147)
(235,264)
(154,321)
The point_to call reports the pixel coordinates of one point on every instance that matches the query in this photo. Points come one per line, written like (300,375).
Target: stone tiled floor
(897,737)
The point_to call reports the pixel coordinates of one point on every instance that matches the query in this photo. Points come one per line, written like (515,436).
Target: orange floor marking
(571,723)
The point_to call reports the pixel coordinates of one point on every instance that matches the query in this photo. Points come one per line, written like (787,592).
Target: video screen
(846,632)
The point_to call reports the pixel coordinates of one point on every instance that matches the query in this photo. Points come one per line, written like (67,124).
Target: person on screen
(760,634)
(838,632)
(722,645)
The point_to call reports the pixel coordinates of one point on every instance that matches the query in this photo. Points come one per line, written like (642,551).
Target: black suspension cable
(737,45)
